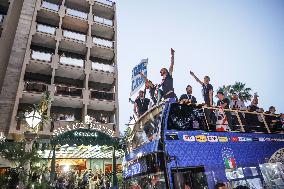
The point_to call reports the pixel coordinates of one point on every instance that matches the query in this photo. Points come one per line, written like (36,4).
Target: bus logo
(242,139)
(188,138)
(235,139)
(201,138)
(223,139)
(212,138)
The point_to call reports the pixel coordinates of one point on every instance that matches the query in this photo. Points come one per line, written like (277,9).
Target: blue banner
(136,80)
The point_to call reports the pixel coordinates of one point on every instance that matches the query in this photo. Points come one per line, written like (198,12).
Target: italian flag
(230,163)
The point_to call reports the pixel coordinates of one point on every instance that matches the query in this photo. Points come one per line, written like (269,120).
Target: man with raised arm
(167,81)
(207,89)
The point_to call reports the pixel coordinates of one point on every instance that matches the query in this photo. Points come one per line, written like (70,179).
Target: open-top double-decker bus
(173,146)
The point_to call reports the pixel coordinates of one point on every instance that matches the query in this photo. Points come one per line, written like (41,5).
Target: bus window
(148,132)
(150,181)
(189,178)
(185,117)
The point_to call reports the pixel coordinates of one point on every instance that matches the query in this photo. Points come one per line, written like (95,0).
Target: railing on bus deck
(106,2)
(46,29)
(50,6)
(102,95)
(42,56)
(103,21)
(103,42)
(37,87)
(76,13)
(64,60)
(74,35)
(102,67)
(218,119)
(62,90)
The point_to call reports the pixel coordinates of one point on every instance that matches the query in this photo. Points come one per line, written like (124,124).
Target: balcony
(74,62)
(73,42)
(103,28)
(44,36)
(76,21)
(76,13)
(40,62)
(35,87)
(46,29)
(74,35)
(102,95)
(62,116)
(68,97)
(41,56)
(102,49)
(33,92)
(102,73)
(70,67)
(104,8)
(50,6)
(68,91)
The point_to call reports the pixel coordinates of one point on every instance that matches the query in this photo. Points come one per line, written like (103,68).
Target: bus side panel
(143,150)
(213,150)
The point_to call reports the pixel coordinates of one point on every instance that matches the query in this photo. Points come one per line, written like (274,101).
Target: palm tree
(239,88)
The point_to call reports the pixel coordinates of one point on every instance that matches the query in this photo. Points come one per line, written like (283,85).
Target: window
(184,117)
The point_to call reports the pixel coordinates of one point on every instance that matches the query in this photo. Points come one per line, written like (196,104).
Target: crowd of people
(165,90)
(87,180)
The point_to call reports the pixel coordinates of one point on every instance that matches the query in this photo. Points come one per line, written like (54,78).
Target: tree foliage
(239,88)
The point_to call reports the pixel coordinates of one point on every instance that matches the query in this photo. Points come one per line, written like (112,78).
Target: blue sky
(229,40)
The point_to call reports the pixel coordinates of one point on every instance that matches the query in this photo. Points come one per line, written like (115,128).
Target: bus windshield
(184,117)
(147,129)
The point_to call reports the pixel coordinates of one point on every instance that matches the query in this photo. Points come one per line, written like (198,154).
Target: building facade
(66,47)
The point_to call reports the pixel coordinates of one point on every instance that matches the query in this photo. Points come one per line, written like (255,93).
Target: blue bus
(175,146)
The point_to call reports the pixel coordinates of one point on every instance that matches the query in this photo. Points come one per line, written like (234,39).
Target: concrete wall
(15,63)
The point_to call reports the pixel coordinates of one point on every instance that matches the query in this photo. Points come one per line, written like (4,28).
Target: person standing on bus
(167,81)
(188,98)
(223,103)
(207,89)
(207,92)
(141,104)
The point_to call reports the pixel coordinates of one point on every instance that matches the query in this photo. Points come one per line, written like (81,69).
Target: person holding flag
(167,81)
(153,90)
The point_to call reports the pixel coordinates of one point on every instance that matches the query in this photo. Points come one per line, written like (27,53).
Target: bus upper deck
(182,146)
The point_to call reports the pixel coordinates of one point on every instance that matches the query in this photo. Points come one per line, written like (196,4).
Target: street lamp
(33,119)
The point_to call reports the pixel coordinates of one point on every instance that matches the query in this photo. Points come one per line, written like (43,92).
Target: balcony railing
(103,42)
(103,20)
(102,95)
(35,87)
(71,61)
(68,91)
(46,29)
(43,56)
(63,117)
(76,13)
(50,6)
(74,35)
(106,2)
(102,67)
